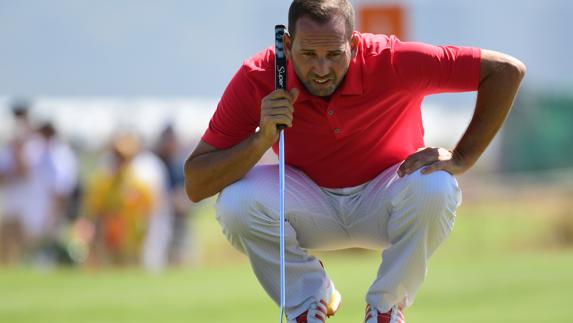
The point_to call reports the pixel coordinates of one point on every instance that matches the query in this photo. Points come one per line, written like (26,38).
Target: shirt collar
(352,84)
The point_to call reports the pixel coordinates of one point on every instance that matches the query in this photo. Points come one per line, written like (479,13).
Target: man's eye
(308,54)
(335,54)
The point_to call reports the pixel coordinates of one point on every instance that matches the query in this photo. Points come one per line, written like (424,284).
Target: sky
(181,48)
(128,47)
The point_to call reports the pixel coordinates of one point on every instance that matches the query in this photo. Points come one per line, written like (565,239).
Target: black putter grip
(280,62)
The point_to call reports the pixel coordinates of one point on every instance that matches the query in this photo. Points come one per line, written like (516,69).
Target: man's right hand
(276,108)
(209,170)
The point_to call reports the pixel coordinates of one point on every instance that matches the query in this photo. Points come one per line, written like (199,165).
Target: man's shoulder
(373,44)
(262,61)
(258,69)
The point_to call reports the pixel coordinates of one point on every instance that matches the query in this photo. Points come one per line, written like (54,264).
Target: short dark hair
(47,130)
(320,11)
(20,108)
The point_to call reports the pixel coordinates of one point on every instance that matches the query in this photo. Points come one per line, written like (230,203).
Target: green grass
(499,265)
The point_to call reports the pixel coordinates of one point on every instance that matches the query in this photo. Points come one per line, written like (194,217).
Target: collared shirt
(372,121)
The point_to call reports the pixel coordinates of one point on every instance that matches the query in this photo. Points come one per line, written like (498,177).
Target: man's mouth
(321,80)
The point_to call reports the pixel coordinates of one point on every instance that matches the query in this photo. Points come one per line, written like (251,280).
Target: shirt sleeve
(436,69)
(237,115)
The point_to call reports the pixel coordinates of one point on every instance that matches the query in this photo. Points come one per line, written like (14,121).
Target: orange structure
(382,19)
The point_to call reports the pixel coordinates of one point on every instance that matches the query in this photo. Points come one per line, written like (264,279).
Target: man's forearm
(496,94)
(208,173)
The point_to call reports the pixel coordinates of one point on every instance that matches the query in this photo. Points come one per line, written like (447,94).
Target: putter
(280,83)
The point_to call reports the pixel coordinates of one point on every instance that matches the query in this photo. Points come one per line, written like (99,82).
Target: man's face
(321,53)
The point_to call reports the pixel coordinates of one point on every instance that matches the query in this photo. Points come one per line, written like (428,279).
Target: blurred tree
(539,133)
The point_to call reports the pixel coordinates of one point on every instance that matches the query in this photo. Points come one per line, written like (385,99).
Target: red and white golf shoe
(318,312)
(394,315)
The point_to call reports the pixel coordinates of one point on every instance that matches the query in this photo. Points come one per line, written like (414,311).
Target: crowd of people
(124,207)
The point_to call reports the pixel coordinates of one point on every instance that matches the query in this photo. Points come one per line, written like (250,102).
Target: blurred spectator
(119,204)
(38,172)
(54,178)
(153,172)
(13,169)
(181,249)
(126,200)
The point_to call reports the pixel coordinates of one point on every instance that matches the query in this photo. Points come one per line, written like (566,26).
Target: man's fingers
(405,167)
(282,110)
(423,157)
(291,95)
(430,160)
(277,103)
(440,165)
(426,168)
(279,94)
(274,120)
(277,111)
(281,120)
(277,108)
(410,168)
(282,93)
(414,162)
(277,118)
(432,168)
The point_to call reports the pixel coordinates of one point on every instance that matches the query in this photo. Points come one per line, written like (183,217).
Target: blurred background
(100,103)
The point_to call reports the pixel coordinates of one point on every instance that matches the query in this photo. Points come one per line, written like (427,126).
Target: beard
(321,86)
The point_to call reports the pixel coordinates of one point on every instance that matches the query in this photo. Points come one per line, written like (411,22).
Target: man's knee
(439,189)
(240,203)
(437,196)
(232,208)
(425,203)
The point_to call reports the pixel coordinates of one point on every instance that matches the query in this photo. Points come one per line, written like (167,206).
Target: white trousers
(407,217)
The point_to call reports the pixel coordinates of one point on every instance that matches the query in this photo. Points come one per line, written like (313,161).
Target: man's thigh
(368,218)
(388,196)
(308,210)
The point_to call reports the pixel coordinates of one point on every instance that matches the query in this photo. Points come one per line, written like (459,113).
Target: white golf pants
(407,217)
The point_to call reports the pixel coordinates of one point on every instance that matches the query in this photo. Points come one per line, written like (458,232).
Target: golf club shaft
(282,219)
(280,83)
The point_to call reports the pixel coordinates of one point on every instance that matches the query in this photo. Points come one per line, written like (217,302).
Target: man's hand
(276,108)
(209,170)
(432,159)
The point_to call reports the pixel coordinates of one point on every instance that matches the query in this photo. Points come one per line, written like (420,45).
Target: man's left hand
(432,159)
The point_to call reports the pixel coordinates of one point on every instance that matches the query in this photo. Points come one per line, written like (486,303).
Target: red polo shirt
(372,121)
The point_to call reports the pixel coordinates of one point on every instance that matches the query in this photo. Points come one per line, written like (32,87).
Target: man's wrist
(261,142)
(463,159)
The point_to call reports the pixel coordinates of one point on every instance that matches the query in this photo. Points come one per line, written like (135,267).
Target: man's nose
(322,67)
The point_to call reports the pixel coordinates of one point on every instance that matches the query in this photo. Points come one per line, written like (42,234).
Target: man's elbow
(194,194)
(515,68)
(500,66)
(192,189)
(197,189)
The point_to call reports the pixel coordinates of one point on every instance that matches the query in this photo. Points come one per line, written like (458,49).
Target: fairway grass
(494,268)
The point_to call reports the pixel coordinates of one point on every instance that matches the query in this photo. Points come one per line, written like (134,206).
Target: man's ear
(353,45)
(287,41)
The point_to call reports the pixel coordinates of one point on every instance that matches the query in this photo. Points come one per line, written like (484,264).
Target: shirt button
(330,112)
(337,130)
